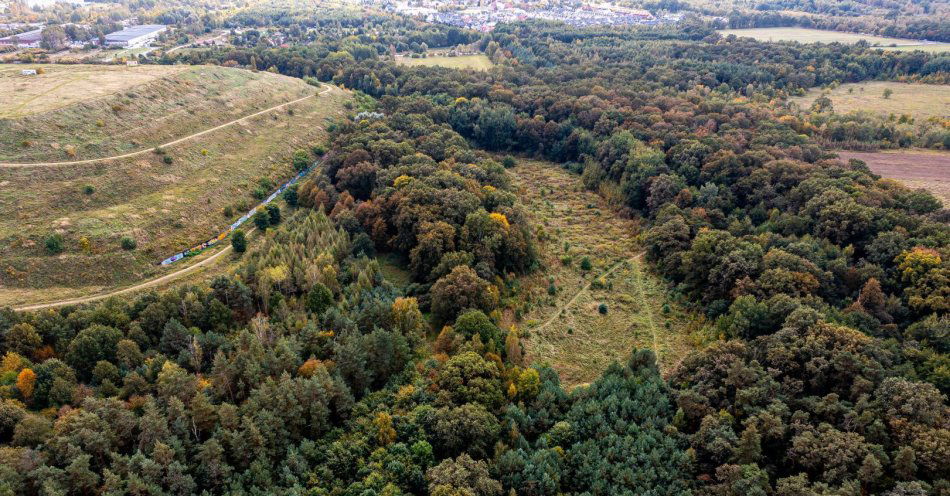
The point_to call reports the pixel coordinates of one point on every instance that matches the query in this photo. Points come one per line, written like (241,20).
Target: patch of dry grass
(477,62)
(566,329)
(807,35)
(916,100)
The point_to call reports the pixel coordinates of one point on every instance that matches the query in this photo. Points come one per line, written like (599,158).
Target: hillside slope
(164,202)
(86,112)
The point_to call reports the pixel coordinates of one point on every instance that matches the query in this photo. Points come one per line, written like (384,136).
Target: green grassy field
(567,329)
(806,35)
(917,100)
(476,62)
(165,207)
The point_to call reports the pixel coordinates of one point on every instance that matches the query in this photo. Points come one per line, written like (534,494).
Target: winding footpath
(11,165)
(130,289)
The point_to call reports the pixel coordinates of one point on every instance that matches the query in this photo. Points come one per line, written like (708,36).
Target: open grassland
(806,35)
(164,207)
(76,112)
(567,329)
(928,169)
(917,100)
(476,62)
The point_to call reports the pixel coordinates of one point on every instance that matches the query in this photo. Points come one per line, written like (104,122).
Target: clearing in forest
(808,35)
(928,169)
(63,227)
(920,101)
(570,329)
(478,62)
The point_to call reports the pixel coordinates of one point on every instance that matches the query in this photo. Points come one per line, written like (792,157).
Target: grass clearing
(477,62)
(165,207)
(567,329)
(394,269)
(807,35)
(917,100)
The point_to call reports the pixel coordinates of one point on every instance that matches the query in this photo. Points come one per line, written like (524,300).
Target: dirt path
(138,287)
(647,311)
(560,310)
(10,165)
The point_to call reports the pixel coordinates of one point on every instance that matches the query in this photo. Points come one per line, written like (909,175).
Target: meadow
(569,328)
(807,35)
(916,100)
(164,201)
(477,62)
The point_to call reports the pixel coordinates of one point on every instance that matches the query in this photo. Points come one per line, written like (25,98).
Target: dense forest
(306,372)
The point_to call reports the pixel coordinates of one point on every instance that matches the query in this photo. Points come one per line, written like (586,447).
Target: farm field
(75,112)
(165,202)
(477,62)
(916,100)
(928,169)
(806,35)
(567,329)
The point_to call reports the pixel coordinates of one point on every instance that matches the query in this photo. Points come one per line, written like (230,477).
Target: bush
(301,160)
(88,189)
(239,241)
(262,220)
(273,214)
(585,264)
(602,308)
(319,150)
(509,162)
(290,196)
(55,244)
(128,244)
(228,211)
(168,159)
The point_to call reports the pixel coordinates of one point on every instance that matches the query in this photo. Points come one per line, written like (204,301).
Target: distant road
(11,165)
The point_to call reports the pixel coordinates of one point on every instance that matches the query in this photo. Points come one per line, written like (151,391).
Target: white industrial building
(29,39)
(135,36)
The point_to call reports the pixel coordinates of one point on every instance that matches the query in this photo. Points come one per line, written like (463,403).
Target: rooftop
(133,32)
(27,37)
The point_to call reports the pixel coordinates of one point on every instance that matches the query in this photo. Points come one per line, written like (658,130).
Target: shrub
(239,241)
(55,243)
(301,160)
(228,211)
(552,289)
(319,150)
(290,196)
(602,308)
(262,220)
(273,214)
(88,189)
(508,162)
(168,159)
(128,243)
(585,264)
